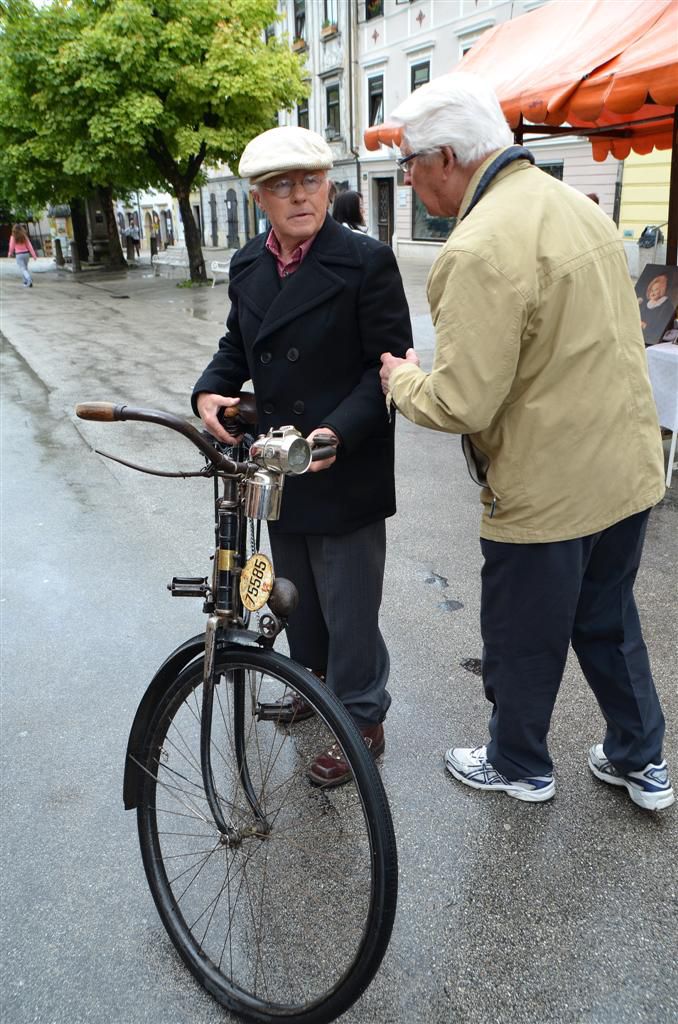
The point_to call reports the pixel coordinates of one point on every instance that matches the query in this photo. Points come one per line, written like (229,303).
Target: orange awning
(590,64)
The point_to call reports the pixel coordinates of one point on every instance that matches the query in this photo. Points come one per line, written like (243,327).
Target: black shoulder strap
(504,158)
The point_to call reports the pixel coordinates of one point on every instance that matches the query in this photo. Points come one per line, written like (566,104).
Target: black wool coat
(310,343)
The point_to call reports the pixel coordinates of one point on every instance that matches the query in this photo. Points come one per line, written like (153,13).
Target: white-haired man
(312,307)
(540,366)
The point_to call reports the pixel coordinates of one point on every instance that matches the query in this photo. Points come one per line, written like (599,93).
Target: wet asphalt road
(563,913)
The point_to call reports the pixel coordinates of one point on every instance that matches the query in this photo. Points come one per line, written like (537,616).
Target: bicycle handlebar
(107,412)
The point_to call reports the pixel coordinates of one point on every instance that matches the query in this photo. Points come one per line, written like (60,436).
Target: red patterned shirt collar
(289,265)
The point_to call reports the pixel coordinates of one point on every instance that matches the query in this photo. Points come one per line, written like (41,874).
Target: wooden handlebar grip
(104,411)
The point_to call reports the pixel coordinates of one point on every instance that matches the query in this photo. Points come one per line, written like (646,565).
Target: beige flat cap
(284,149)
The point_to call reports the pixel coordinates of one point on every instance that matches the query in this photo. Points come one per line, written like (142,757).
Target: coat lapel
(312,284)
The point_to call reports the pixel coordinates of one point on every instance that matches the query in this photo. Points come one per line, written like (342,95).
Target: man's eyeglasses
(284,188)
(402,161)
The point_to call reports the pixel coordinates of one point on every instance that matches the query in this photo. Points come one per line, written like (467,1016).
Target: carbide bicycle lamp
(283,450)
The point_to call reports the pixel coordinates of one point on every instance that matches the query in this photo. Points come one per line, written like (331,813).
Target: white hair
(459,110)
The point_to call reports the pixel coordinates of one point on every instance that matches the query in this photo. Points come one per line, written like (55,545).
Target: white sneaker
(650,788)
(470,766)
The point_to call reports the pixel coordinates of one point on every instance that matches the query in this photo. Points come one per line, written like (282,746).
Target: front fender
(163,678)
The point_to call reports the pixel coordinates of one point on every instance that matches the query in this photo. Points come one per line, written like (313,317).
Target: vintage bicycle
(278,894)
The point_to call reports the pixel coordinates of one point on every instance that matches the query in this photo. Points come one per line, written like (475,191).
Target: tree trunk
(115,255)
(79,222)
(196,262)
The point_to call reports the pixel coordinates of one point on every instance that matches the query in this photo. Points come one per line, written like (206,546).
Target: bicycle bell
(283,450)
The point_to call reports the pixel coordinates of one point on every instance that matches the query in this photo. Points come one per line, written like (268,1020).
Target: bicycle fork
(226,574)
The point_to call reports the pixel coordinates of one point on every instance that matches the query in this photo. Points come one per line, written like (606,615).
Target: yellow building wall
(645,192)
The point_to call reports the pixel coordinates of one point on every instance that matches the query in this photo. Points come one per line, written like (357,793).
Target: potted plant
(298,43)
(329,28)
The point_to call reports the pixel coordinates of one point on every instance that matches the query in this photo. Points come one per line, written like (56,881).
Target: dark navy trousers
(536,599)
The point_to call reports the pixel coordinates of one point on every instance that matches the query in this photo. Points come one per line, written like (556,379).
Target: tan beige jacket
(540,360)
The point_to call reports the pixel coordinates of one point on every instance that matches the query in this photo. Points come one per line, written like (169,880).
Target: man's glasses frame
(283,189)
(402,161)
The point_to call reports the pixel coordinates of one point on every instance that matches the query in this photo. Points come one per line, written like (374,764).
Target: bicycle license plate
(256,582)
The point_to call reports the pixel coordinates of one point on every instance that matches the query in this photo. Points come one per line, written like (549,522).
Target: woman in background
(348,210)
(20,246)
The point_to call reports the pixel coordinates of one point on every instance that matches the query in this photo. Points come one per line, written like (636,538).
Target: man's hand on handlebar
(209,407)
(320,433)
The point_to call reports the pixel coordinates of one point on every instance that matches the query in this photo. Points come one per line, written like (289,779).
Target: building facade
(363,58)
(324,32)
(402,44)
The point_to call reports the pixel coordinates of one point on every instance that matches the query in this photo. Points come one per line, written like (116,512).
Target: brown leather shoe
(330,768)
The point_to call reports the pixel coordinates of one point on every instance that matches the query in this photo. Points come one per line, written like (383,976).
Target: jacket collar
(508,160)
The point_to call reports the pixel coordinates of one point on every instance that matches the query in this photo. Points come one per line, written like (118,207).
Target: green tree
(37,134)
(135,93)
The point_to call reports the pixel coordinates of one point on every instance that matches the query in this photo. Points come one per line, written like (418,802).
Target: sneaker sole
(529,796)
(648,801)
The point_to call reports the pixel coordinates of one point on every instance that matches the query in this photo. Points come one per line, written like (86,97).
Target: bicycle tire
(282,928)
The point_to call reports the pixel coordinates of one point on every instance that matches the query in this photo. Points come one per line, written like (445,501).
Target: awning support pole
(672,230)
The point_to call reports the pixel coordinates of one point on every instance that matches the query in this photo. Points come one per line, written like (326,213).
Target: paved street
(562,913)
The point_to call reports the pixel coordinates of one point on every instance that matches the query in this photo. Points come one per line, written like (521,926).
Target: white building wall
(439,32)
(579,168)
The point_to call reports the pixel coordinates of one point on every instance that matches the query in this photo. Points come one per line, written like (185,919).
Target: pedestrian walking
(312,307)
(20,247)
(540,365)
(133,234)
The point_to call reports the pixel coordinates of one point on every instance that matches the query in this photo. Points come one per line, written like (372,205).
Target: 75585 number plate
(256,582)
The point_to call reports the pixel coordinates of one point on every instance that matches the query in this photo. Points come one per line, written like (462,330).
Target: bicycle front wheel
(286,915)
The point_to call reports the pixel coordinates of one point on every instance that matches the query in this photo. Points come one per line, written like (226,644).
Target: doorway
(384,209)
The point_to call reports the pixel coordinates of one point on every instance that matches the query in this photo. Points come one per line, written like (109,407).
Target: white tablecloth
(662,362)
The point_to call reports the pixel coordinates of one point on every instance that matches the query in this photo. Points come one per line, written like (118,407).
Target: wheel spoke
(252,907)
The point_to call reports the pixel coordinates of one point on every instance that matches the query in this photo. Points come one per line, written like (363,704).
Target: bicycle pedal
(188,586)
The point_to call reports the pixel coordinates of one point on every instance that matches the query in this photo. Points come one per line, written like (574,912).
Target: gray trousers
(335,628)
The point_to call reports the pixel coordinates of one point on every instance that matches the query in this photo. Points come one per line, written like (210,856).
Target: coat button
(268,408)
(265,357)
(293,355)
(298,408)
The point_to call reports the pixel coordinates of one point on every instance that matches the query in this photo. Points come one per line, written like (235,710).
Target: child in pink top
(20,246)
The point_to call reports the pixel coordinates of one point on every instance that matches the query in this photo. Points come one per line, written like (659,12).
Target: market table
(662,362)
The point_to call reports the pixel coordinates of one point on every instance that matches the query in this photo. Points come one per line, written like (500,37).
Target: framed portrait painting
(657,291)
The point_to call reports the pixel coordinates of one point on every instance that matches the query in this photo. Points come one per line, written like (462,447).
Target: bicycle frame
(223,603)
(211,775)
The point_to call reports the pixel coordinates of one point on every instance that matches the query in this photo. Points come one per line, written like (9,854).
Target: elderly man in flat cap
(312,307)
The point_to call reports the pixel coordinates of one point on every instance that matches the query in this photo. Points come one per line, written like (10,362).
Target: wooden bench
(219,267)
